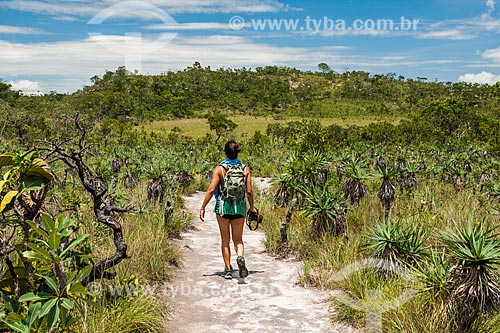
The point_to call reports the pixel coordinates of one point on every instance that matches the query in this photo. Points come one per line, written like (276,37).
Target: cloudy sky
(60,44)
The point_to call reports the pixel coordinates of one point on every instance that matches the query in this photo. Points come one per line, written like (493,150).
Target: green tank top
(225,208)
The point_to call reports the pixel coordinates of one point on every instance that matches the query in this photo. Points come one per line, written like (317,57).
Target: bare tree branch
(72,153)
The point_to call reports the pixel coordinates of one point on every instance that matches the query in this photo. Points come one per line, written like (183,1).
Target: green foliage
(396,244)
(54,243)
(24,173)
(221,125)
(6,93)
(323,67)
(354,170)
(448,119)
(144,313)
(449,143)
(58,292)
(326,207)
(473,247)
(300,135)
(432,277)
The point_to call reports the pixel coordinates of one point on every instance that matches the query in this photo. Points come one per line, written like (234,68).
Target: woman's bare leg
(225,236)
(237,231)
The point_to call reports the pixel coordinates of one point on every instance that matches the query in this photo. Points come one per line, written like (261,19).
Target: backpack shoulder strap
(244,168)
(225,168)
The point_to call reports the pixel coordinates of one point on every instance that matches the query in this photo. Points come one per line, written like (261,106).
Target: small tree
(324,68)
(221,125)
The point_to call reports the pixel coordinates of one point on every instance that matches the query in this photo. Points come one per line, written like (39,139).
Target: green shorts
(232,217)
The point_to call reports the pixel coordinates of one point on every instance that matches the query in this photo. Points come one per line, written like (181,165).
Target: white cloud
(90,8)
(346,32)
(481,78)
(394,58)
(492,54)
(9,29)
(65,18)
(27,87)
(483,65)
(66,66)
(457,34)
(54,63)
(53,8)
(190,26)
(462,29)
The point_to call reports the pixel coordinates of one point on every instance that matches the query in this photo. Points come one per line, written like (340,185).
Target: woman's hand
(202,214)
(254,210)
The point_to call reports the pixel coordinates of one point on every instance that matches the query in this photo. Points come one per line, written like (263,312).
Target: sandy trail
(268,300)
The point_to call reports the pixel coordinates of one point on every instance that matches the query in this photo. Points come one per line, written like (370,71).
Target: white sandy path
(268,300)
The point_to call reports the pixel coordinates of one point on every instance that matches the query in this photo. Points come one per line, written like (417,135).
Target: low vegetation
(396,173)
(439,240)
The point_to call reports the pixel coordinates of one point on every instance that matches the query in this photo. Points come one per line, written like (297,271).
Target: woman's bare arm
(210,192)
(250,191)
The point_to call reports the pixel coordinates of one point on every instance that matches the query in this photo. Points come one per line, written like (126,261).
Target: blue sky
(60,44)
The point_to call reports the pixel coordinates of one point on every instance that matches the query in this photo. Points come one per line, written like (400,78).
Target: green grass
(329,254)
(131,314)
(248,125)
(153,259)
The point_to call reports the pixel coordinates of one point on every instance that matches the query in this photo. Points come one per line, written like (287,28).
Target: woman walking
(232,185)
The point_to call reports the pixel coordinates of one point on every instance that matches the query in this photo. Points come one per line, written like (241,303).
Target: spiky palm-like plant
(493,190)
(341,166)
(286,182)
(397,246)
(409,180)
(458,176)
(383,242)
(130,181)
(302,170)
(157,188)
(316,169)
(387,191)
(285,189)
(116,164)
(413,248)
(353,186)
(102,166)
(474,282)
(401,164)
(488,174)
(327,209)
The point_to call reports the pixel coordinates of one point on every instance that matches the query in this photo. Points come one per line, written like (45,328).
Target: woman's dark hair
(232,149)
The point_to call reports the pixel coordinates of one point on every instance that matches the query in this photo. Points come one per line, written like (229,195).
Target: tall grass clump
(153,257)
(128,314)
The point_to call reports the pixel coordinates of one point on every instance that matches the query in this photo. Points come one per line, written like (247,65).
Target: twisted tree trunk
(106,213)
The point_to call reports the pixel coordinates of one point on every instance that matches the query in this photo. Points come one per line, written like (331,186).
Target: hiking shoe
(241,265)
(228,273)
